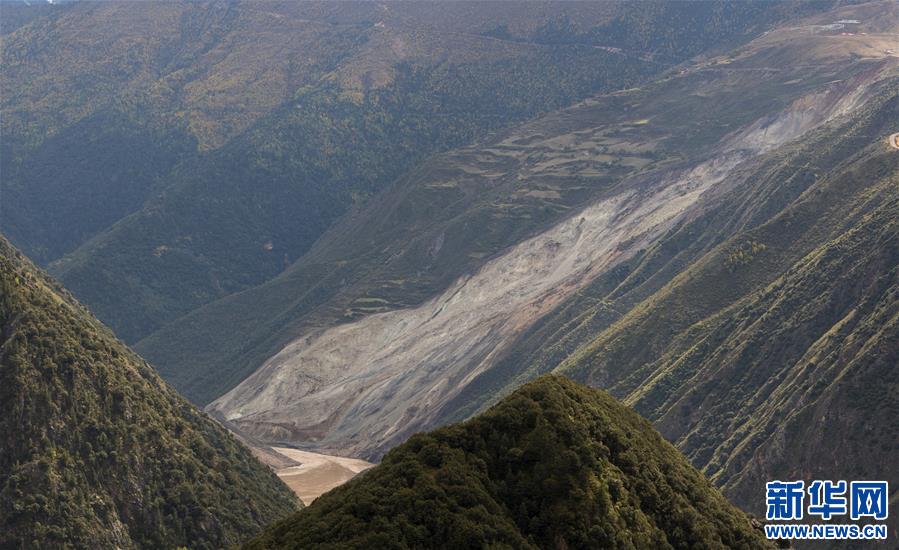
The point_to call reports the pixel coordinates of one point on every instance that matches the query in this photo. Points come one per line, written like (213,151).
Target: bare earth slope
(362,386)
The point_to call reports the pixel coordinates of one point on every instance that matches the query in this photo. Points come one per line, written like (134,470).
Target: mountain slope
(649,163)
(451,215)
(781,334)
(760,333)
(554,465)
(223,138)
(97,450)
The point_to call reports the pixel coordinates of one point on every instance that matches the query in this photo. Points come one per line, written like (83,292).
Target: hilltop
(553,465)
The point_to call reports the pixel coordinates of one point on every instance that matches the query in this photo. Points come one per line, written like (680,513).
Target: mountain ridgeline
(97,451)
(553,465)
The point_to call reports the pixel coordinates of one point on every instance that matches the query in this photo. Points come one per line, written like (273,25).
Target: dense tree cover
(554,465)
(98,452)
(81,180)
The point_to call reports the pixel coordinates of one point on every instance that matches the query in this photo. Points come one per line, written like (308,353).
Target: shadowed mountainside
(97,450)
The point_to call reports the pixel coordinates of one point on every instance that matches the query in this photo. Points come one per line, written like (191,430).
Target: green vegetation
(742,254)
(774,330)
(554,465)
(290,176)
(81,180)
(98,452)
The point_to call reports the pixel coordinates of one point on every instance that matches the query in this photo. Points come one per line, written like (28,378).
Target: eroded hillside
(361,386)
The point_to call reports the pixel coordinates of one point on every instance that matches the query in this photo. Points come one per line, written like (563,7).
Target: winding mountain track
(894,140)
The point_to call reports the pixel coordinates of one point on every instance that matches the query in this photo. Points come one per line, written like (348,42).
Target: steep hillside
(759,193)
(780,335)
(554,465)
(649,161)
(97,451)
(452,214)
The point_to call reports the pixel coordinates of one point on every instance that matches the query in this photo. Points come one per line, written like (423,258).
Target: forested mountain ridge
(97,450)
(553,465)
